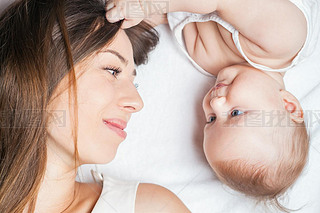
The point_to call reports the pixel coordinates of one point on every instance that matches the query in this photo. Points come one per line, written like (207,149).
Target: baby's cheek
(210,149)
(220,145)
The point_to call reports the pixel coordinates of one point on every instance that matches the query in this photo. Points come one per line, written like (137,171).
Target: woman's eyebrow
(121,58)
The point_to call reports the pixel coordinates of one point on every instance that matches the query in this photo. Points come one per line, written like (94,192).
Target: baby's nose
(217,104)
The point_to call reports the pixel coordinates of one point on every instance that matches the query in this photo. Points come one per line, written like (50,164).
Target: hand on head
(133,12)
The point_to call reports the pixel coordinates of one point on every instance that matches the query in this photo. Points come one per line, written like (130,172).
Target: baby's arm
(134,11)
(271,32)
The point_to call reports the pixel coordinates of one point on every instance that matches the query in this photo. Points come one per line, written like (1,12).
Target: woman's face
(106,99)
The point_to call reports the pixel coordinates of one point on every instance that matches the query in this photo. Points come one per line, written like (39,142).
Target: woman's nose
(130,99)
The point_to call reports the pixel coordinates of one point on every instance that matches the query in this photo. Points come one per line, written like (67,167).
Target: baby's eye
(211,119)
(236,112)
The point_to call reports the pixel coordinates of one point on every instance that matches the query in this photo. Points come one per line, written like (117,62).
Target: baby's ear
(292,106)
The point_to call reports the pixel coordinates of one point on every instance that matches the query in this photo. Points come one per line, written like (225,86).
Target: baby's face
(241,111)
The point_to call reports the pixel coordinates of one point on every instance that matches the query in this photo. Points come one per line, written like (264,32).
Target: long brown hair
(40,42)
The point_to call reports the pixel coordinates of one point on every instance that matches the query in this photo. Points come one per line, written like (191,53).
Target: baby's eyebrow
(251,118)
(254,118)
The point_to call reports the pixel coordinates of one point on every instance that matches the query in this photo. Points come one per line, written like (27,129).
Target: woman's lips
(117,126)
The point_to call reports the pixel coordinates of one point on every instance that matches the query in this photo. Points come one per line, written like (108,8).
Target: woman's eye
(211,119)
(115,71)
(236,112)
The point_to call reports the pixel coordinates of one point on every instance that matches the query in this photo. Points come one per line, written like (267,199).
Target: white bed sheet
(164,143)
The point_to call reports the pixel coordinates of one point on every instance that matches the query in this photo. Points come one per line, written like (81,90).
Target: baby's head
(255,137)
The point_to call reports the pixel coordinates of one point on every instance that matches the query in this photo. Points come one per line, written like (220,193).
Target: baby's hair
(268,182)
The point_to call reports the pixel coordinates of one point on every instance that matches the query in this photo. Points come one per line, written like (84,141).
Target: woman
(66,95)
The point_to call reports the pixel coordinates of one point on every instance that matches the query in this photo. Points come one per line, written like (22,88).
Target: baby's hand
(131,11)
(134,11)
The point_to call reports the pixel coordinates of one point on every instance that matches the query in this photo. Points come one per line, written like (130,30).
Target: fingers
(115,12)
(110,5)
(129,10)
(115,15)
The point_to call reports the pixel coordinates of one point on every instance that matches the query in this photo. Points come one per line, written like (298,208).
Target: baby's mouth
(219,85)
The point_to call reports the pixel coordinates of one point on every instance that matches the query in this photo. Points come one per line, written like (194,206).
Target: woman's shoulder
(126,196)
(155,198)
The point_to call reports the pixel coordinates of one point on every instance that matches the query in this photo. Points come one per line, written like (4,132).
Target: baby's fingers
(129,10)
(114,13)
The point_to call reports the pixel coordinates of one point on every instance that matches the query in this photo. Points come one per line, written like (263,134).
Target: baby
(255,138)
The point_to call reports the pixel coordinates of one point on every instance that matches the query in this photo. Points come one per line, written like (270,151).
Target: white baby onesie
(310,9)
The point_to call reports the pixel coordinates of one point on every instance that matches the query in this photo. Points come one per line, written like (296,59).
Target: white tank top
(117,196)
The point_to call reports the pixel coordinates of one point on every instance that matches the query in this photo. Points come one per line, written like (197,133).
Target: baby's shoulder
(211,46)
(206,39)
